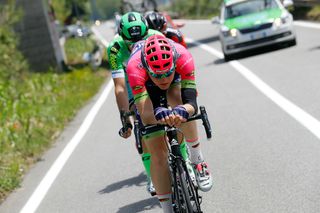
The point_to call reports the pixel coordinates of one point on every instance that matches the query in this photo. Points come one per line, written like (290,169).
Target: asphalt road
(264,156)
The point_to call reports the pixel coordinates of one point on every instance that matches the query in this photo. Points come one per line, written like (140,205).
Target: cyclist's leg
(145,156)
(203,176)
(190,128)
(156,144)
(190,131)
(159,168)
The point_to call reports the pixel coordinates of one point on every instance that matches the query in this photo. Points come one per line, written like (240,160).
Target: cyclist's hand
(181,115)
(126,132)
(181,112)
(164,115)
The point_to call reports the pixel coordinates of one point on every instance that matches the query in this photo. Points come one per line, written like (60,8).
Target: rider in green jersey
(132,28)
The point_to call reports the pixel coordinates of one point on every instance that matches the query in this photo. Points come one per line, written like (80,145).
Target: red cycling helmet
(158,56)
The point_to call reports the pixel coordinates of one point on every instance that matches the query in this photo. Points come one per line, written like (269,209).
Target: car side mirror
(287,3)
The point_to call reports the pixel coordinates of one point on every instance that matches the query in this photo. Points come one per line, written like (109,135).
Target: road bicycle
(138,6)
(186,198)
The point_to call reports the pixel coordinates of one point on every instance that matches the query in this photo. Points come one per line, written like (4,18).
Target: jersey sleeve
(137,77)
(115,60)
(185,67)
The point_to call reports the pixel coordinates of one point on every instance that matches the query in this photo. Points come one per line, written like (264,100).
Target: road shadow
(139,180)
(256,52)
(140,206)
(315,48)
(204,41)
(219,61)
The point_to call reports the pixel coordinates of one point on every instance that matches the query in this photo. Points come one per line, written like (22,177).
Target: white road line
(40,192)
(307,24)
(304,118)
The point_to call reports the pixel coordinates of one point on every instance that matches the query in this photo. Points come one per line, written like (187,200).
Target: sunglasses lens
(165,75)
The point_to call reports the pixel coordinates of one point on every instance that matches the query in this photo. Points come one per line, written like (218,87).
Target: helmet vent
(163,42)
(154,58)
(165,48)
(151,51)
(151,43)
(165,56)
(131,17)
(156,66)
(166,64)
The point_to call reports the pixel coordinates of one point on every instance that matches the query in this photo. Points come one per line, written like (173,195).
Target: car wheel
(293,42)
(228,57)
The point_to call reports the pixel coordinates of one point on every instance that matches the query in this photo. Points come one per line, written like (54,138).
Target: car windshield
(248,7)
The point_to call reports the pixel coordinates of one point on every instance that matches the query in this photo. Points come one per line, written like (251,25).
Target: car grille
(258,41)
(256,28)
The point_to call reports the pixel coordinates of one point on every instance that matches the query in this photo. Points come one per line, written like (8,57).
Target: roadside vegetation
(35,107)
(307,13)
(76,47)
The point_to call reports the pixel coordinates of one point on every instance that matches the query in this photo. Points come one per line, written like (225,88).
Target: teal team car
(249,24)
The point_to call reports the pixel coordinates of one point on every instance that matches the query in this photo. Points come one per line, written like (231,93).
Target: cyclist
(155,65)
(158,21)
(132,28)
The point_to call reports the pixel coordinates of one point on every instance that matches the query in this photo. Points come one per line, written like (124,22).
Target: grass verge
(35,107)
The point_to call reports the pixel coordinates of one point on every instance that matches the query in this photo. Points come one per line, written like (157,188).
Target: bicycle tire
(188,191)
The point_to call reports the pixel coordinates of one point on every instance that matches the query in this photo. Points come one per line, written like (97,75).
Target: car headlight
(232,32)
(283,20)
(277,22)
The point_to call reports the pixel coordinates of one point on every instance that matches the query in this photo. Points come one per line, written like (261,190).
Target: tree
(66,10)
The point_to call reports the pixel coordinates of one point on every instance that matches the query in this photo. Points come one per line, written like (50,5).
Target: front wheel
(186,198)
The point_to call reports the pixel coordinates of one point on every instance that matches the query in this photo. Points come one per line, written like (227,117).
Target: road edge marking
(41,190)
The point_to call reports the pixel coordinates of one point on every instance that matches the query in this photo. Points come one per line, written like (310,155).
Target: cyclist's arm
(185,67)
(121,94)
(145,109)
(118,76)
